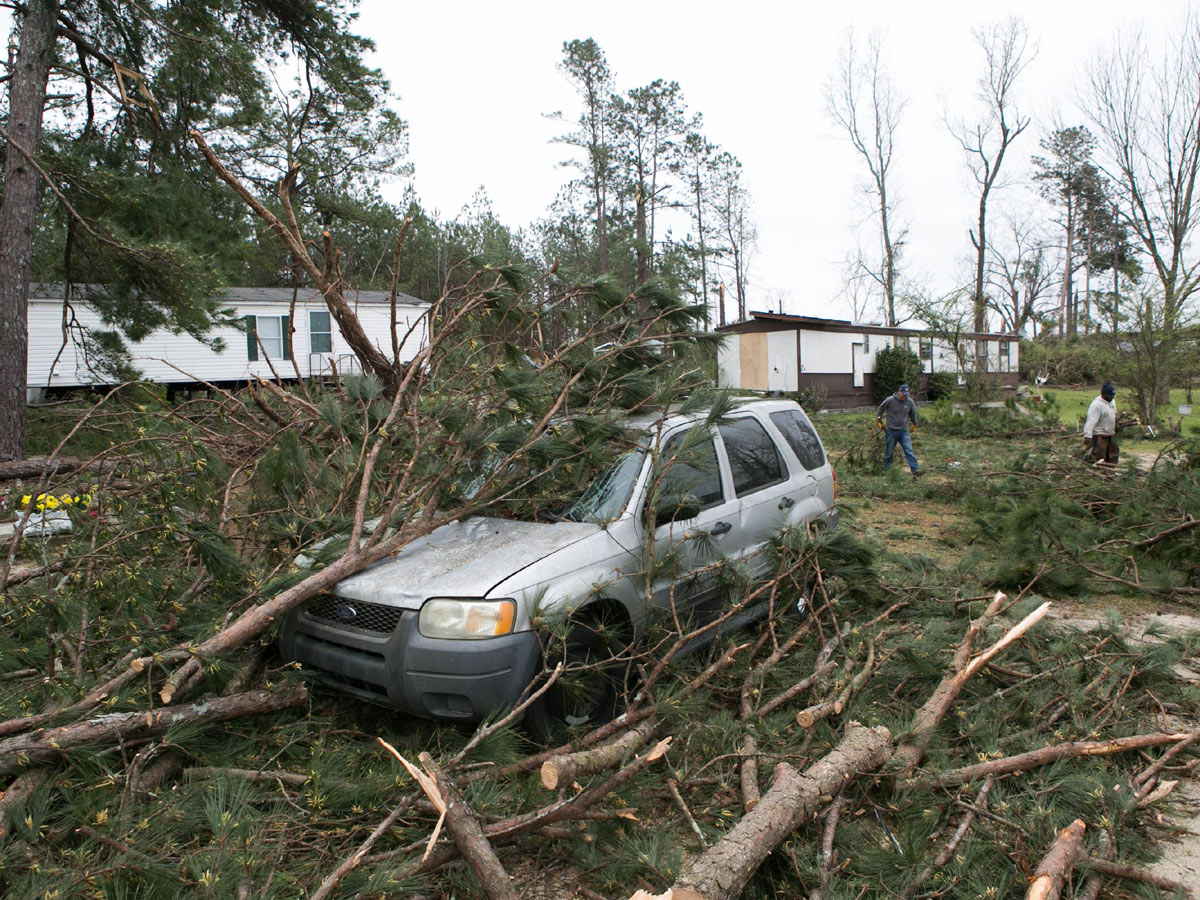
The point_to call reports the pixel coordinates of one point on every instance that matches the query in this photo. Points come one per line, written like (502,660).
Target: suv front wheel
(590,689)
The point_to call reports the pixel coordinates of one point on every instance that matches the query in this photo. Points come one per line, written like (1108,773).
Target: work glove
(879,424)
(912,429)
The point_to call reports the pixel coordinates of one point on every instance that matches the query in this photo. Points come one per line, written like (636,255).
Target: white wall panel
(782,374)
(165,357)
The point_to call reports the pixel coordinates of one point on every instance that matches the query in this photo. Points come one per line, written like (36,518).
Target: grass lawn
(1073,405)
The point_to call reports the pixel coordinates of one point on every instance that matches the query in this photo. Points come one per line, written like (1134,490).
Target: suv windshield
(606,496)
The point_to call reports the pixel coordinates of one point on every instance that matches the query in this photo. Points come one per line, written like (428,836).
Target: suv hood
(464,558)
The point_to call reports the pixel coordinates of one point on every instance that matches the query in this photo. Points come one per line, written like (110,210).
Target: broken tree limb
(1051,874)
(828,854)
(1131,874)
(794,798)
(38,466)
(1146,778)
(468,835)
(806,718)
(823,665)
(354,859)
(928,717)
(943,857)
(51,743)
(560,770)
(19,791)
(1070,750)
(563,810)
(97,695)
(749,778)
(673,786)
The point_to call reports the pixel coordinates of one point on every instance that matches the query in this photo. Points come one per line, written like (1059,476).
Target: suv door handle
(787,503)
(720,528)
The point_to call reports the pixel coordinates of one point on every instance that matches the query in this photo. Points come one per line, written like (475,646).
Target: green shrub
(895,366)
(942,385)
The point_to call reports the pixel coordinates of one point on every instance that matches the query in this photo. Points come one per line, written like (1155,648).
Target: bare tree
(1022,270)
(1007,52)
(862,99)
(856,286)
(1145,109)
(738,231)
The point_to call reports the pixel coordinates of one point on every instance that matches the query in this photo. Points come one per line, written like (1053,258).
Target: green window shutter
(287,338)
(251,338)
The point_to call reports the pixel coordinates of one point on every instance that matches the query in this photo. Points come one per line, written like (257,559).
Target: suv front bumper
(428,677)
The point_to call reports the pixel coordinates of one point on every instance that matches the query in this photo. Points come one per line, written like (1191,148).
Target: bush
(895,366)
(1082,359)
(942,385)
(812,399)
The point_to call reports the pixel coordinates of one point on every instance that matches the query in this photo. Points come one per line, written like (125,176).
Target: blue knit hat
(1108,390)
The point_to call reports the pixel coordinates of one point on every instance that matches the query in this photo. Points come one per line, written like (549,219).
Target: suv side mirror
(676,507)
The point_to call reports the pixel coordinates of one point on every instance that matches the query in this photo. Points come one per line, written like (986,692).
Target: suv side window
(690,469)
(800,436)
(753,456)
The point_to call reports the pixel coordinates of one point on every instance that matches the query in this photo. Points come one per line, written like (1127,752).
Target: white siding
(165,357)
(824,352)
(781,361)
(729,362)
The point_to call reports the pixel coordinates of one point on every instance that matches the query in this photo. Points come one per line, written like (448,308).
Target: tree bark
(1051,874)
(560,771)
(468,835)
(26,99)
(51,743)
(36,466)
(794,798)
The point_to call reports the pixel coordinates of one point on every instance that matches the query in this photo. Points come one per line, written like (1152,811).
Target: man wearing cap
(1100,428)
(897,416)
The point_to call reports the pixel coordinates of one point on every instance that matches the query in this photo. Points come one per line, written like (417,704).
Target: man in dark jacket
(897,416)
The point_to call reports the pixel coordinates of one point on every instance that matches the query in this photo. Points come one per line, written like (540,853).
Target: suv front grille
(355,614)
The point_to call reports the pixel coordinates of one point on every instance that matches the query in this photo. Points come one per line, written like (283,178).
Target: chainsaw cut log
(1051,874)
(794,798)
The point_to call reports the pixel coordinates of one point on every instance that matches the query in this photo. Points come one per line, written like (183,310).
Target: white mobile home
(778,352)
(59,358)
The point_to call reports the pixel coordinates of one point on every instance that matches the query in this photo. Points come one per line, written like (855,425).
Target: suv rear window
(800,436)
(753,456)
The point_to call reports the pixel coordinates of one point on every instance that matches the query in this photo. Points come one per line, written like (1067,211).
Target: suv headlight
(447,617)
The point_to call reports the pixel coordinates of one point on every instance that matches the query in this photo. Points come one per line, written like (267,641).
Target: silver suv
(445,629)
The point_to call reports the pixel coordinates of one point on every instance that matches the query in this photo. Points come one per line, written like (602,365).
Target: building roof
(814,323)
(237,294)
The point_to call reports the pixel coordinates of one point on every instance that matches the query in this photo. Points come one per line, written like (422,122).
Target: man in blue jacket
(897,416)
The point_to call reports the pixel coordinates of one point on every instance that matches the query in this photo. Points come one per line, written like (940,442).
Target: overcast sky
(475,79)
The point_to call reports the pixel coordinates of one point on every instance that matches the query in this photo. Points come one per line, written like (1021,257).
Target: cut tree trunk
(794,798)
(560,771)
(1052,872)
(107,730)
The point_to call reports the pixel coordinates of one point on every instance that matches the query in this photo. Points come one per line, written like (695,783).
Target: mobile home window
(866,343)
(267,332)
(1005,360)
(320,332)
(926,348)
